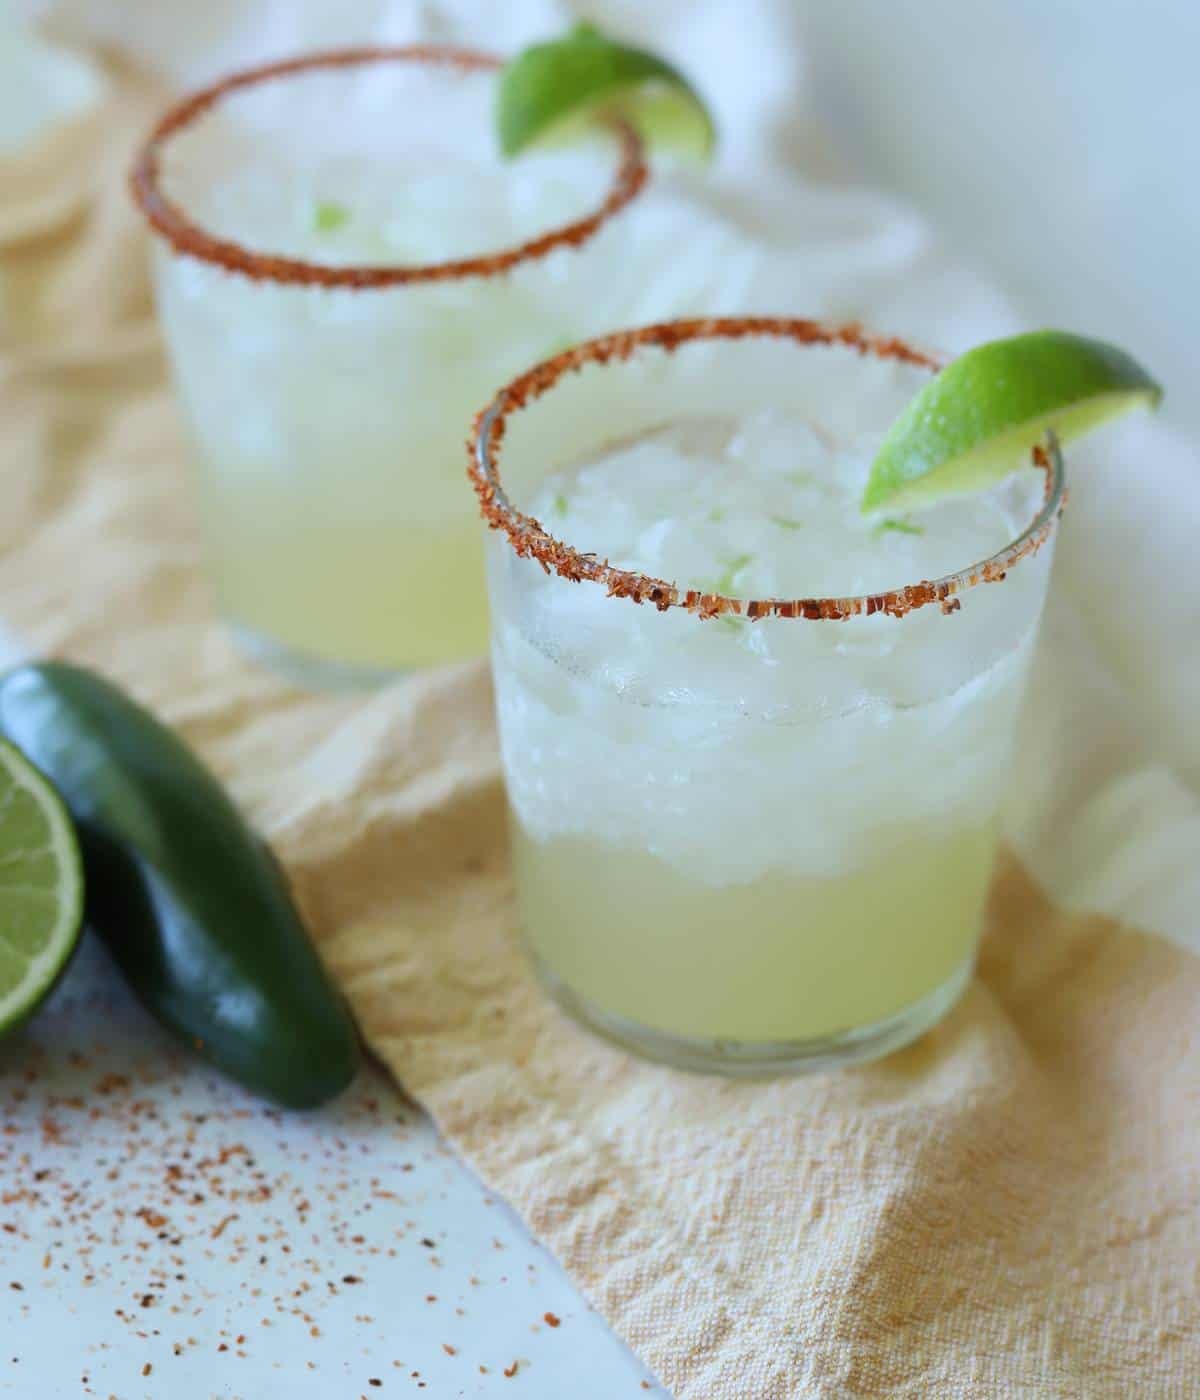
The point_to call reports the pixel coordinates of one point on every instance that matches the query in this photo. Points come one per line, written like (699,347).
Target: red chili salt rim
(531,540)
(190,239)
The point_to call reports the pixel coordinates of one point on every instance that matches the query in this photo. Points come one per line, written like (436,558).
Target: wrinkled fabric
(1010,1207)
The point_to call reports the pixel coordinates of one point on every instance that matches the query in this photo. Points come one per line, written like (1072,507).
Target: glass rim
(529,539)
(190,239)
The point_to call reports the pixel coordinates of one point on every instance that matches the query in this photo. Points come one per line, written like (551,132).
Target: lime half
(976,421)
(41,887)
(550,92)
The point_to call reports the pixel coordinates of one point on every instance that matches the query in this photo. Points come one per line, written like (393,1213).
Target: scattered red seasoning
(188,238)
(530,540)
(511,1371)
(550,1320)
(146,1369)
(160,1186)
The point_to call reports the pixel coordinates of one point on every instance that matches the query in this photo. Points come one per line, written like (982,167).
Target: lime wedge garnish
(976,421)
(550,92)
(41,887)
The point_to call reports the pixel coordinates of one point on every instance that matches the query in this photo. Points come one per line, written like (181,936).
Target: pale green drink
(351,268)
(738,844)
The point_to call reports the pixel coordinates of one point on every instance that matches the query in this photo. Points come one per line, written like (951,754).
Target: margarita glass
(344,268)
(754,818)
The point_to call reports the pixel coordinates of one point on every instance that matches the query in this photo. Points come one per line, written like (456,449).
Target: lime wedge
(41,887)
(550,92)
(975,422)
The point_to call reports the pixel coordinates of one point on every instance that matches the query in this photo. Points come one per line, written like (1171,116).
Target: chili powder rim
(190,239)
(530,539)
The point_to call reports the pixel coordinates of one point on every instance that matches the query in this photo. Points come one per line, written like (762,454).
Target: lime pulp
(41,887)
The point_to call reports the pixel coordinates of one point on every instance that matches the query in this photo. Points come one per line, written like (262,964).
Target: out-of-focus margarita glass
(754,818)
(345,268)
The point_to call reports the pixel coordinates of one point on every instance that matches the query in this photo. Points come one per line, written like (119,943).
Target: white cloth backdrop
(1053,142)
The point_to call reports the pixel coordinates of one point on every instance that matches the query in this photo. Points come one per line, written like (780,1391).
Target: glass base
(305,669)
(759,1059)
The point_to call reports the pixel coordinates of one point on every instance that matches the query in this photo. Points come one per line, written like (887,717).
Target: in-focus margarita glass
(345,268)
(754,818)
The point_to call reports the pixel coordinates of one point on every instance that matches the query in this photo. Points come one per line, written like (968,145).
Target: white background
(1052,141)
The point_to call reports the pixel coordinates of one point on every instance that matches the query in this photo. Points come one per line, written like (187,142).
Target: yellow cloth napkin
(1009,1208)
